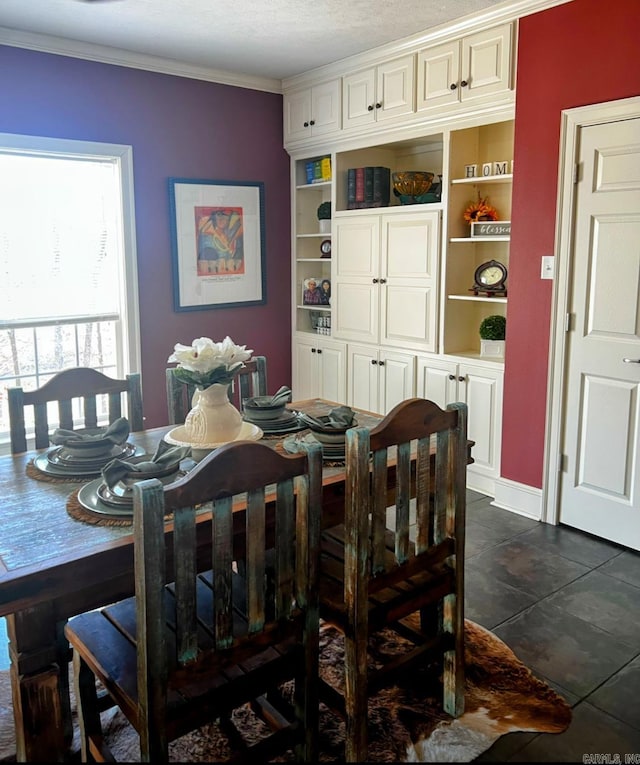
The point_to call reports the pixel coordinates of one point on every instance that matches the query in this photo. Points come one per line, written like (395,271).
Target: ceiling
(268,39)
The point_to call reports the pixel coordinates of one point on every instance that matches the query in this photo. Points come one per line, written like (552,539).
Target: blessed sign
(491,228)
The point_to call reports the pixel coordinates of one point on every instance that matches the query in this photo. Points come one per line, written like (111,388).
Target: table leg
(39,685)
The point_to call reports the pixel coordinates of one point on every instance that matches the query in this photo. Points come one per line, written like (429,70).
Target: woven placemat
(80,513)
(31,471)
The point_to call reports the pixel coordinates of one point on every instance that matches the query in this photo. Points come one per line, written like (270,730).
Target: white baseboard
(483,484)
(518,498)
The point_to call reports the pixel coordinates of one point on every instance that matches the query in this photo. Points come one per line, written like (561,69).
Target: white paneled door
(600,482)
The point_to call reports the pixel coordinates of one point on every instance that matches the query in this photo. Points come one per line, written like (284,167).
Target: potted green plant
(492,336)
(324,217)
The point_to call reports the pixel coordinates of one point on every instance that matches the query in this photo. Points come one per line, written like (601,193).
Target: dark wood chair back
(178,656)
(251,380)
(75,383)
(375,572)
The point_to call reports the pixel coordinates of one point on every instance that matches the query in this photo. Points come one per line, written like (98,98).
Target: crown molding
(507,11)
(118,57)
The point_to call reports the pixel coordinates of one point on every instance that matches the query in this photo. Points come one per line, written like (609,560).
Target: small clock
(325,248)
(490,277)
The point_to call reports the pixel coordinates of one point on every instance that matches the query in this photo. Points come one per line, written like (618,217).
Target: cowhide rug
(405,723)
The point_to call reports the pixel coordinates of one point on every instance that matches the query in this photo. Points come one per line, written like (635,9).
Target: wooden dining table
(54,565)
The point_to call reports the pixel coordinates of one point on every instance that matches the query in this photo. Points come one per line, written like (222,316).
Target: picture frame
(316,291)
(217,243)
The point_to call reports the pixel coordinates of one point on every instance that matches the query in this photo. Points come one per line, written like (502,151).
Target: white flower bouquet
(205,362)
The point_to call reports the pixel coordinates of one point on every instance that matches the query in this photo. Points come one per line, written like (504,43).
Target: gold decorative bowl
(412,183)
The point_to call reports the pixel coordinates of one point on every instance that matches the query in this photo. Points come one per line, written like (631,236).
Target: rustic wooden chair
(373,577)
(178,656)
(75,383)
(250,381)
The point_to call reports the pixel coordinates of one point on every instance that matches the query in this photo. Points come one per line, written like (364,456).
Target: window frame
(122,154)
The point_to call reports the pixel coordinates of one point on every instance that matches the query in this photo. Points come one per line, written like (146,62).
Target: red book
(359,184)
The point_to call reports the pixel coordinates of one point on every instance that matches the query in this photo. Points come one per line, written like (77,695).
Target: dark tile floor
(568,605)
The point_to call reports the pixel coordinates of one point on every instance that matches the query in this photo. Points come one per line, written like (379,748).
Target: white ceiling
(270,39)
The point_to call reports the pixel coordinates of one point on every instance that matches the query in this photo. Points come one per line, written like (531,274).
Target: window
(68,279)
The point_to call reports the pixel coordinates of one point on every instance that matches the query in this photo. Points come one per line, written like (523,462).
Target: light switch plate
(548,269)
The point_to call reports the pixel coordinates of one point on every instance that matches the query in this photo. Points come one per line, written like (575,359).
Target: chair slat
(184,546)
(285,552)
(222,529)
(255,559)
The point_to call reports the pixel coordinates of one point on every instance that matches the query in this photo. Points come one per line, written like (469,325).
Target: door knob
(631,361)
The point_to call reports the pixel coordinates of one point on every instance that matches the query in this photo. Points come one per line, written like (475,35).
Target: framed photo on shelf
(316,291)
(218,243)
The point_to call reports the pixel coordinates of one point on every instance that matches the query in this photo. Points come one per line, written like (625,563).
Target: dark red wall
(177,127)
(583,52)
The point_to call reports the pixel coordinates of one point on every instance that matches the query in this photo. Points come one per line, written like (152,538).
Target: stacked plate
(118,499)
(330,452)
(286,422)
(65,461)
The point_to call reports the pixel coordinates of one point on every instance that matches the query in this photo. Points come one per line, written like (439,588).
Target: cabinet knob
(460,379)
(453,86)
(370,108)
(464,84)
(373,361)
(313,350)
(319,350)
(312,122)
(383,281)
(375,281)
(381,363)
(378,106)
(452,377)
(306,124)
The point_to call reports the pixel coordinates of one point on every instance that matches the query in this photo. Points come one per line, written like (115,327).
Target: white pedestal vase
(213,419)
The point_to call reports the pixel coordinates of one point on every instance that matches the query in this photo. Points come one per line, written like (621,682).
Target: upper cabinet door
(438,76)
(395,88)
(486,62)
(325,107)
(359,98)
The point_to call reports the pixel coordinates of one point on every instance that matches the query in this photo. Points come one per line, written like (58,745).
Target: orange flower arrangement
(480,210)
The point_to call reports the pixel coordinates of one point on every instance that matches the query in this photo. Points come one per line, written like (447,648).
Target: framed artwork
(218,245)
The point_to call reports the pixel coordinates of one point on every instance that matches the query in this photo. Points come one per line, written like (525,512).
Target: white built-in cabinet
(404,314)
(385,278)
(480,386)
(379,93)
(379,378)
(319,369)
(312,112)
(460,71)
